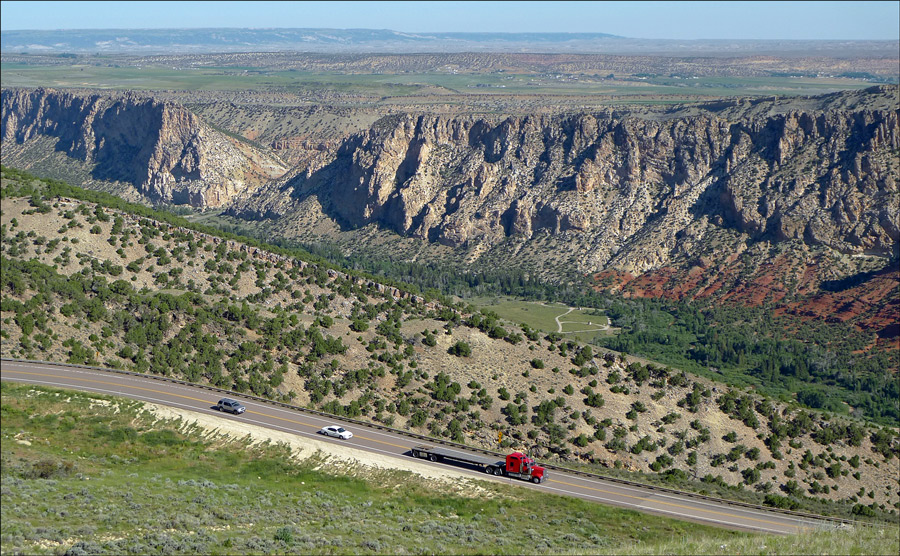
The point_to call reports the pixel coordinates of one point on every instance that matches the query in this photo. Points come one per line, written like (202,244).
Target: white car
(337,432)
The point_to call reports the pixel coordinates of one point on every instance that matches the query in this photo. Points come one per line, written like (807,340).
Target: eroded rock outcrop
(626,190)
(633,188)
(161,148)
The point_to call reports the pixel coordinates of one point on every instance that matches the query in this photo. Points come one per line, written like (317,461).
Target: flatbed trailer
(438,453)
(516,465)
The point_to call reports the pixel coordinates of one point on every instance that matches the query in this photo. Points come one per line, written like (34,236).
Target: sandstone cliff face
(160,148)
(633,191)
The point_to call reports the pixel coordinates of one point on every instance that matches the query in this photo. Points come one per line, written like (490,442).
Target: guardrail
(434,440)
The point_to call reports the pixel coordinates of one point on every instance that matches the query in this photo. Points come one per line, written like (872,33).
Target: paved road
(295,421)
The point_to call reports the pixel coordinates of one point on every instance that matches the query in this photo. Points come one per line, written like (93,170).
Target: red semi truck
(517,464)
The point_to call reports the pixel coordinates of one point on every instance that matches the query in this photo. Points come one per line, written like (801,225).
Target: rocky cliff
(626,190)
(167,153)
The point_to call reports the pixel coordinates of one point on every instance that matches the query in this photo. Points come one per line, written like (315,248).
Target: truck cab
(523,467)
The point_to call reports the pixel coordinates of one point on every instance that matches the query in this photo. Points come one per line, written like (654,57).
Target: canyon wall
(167,153)
(632,188)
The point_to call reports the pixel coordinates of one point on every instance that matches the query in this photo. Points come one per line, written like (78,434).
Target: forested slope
(103,285)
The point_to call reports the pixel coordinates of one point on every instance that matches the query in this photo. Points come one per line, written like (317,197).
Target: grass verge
(85,473)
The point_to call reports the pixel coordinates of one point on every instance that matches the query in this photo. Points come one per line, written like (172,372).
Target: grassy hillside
(810,350)
(123,287)
(145,77)
(92,474)
(583,325)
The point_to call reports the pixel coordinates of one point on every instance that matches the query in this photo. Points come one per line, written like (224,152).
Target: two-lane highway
(297,421)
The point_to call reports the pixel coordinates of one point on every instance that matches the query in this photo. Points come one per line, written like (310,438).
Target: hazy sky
(652,20)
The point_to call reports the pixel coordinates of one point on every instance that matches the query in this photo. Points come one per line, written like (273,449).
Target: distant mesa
(183,41)
(268,40)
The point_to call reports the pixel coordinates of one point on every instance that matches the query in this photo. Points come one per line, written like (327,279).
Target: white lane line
(313,435)
(145,398)
(394,455)
(194,391)
(681,515)
(749,512)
